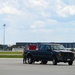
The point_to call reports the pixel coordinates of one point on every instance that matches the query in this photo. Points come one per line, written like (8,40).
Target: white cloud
(38,24)
(64,10)
(37,3)
(45,14)
(7,8)
(46,24)
(52,21)
(69,10)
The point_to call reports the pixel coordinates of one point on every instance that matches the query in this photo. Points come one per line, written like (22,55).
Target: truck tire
(29,60)
(70,62)
(43,62)
(54,61)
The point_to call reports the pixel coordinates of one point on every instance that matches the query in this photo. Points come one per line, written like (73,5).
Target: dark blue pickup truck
(48,52)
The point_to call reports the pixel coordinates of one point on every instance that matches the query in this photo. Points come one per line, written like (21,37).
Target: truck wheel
(54,61)
(70,62)
(43,62)
(29,60)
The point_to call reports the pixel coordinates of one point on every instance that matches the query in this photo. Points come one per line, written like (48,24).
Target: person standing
(25,48)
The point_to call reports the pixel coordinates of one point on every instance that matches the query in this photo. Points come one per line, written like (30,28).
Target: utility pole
(4,36)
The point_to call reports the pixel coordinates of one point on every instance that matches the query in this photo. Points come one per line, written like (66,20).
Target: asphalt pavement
(14,66)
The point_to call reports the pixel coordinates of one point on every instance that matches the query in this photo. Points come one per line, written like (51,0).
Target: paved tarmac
(14,66)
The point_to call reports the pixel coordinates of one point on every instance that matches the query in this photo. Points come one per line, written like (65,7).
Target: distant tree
(1,46)
(15,46)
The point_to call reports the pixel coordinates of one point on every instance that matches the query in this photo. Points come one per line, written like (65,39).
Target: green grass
(11,54)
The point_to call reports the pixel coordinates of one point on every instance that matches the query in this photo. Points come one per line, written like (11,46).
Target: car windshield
(57,47)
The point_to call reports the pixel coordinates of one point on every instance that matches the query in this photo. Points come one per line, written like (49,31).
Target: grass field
(11,54)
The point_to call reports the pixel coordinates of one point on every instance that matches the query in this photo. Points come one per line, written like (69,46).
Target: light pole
(4,37)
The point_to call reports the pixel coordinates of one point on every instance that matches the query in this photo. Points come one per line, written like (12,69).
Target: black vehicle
(48,52)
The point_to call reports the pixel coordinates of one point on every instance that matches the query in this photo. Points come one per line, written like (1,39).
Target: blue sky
(37,21)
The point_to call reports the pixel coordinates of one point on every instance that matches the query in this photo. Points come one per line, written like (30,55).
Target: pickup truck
(49,52)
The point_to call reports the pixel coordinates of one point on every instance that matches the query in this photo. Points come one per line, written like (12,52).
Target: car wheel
(54,61)
(70,62)
(29,60)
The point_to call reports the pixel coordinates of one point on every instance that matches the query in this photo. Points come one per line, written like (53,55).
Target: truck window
(41,47)
(47,48)
(57,47)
